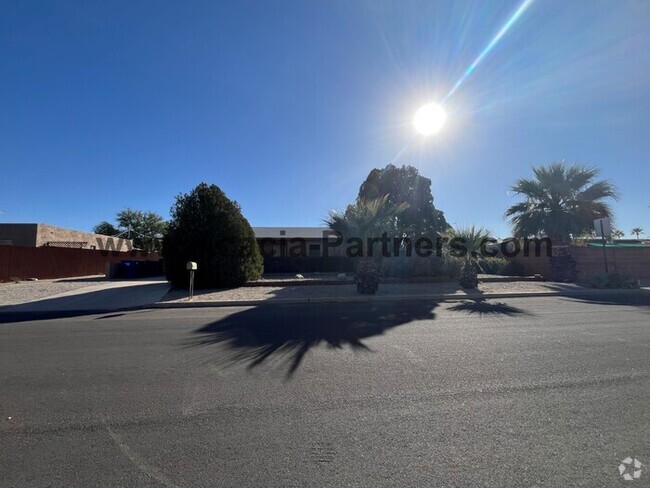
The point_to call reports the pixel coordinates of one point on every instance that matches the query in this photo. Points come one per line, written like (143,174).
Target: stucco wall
(38,235)
(49,233)
(632,261)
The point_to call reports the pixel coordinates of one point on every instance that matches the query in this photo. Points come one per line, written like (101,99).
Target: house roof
(289,232)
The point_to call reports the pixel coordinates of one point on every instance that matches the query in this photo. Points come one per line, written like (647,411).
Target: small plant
(613,280)
(472,240)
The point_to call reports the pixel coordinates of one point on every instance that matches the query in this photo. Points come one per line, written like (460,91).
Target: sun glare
(429,119)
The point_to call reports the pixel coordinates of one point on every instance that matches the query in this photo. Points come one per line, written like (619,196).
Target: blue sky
(287,105)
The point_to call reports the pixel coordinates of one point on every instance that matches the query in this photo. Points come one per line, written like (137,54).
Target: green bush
(491,265)
(397,267)
(419,267)
(405,267)
(513,268)
(613,280)
(447,266)
(210,229)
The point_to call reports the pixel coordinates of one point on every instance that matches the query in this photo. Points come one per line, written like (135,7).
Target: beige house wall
(51,234)
(39,235)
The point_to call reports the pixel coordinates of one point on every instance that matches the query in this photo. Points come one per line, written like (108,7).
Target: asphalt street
(521,392)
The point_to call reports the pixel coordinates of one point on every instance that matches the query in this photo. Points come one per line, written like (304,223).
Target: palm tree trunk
(367,275)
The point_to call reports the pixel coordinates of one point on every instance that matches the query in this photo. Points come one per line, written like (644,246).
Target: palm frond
(560,201)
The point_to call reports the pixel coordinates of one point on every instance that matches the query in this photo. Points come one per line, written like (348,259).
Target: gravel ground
(275,277)
(26,291)
(299,292)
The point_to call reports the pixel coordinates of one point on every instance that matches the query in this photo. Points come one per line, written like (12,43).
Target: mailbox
(192,266)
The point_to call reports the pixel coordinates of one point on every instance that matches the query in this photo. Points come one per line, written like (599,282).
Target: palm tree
(618,234)
(560,201)
(637,231)
(364,220)
(472,240)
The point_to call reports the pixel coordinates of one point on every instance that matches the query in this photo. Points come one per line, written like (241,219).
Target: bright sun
(429,119)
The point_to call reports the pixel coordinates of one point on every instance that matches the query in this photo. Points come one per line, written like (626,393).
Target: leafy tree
(560,201)
(636,231)
(405,186)
(208,228)
(106,228)
(145,228)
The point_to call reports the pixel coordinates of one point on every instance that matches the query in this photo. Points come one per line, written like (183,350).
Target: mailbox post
(191,267)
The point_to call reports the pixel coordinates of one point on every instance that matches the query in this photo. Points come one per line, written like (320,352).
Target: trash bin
(129,269)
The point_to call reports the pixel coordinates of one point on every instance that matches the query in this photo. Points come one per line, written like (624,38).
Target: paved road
(546,392)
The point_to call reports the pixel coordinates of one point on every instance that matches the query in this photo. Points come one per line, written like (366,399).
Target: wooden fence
(17,262)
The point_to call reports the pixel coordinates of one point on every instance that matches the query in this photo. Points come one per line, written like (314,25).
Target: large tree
(145,228)
(560,201)
(106,229)
(404,186)
(209,229)
(636,231)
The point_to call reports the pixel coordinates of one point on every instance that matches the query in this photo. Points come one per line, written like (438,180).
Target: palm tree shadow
(481,306)
(288,332)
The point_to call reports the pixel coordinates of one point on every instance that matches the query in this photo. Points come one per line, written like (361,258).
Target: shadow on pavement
(13,317)
(84,279)
(637,298)
(93,301)
(481,306)
(288,332)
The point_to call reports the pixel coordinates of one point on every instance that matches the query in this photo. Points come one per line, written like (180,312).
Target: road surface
(545,392)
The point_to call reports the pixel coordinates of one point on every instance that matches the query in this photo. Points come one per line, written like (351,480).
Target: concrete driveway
(97,296)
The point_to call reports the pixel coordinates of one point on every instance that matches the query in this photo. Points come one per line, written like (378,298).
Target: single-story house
(43,235)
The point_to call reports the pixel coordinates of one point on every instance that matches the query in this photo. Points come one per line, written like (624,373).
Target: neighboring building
(287,241)
(300,250)
(43,235)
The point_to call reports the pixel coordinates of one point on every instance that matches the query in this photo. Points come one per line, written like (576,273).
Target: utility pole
(602,233)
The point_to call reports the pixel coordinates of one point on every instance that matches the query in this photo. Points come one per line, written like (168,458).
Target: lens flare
(513,18)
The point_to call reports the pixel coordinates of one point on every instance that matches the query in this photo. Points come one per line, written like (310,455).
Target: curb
(389,298)
(4,313)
